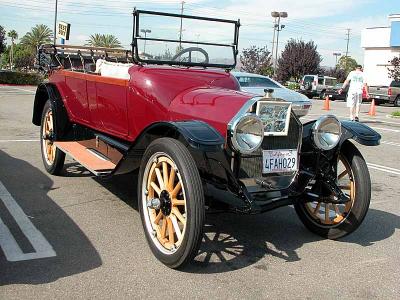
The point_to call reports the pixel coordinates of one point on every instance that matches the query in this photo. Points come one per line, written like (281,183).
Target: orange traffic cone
(326,104)
(372,108)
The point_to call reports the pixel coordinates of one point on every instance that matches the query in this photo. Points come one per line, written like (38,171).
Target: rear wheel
(397,101)
(171,202)
(53,158)
(337,220)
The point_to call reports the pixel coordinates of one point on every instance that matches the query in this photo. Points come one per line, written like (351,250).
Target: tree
(298,58)
(103,40)
(256,60)
(2,40)
(23,57)
(394,69)
(336,72)
(347,63)
(13,35)
(39,35)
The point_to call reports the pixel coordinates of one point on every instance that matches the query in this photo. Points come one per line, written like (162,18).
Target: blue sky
(323,21)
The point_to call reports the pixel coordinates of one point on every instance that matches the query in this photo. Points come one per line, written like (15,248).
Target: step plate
(94,163)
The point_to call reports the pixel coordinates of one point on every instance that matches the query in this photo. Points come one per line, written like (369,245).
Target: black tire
(55,165)
(396,102)
(359,207)
(192,191)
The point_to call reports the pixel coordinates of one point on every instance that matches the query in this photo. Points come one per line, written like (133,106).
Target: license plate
(378,97)
(330,96)
(279,161)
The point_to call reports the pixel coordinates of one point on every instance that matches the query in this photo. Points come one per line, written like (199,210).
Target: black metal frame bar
(136,37)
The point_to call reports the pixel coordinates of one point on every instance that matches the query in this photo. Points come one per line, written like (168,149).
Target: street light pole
(279,27)
(55,23)
(145,31)
(273,14)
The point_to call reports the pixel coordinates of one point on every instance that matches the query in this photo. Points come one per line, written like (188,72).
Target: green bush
(293,85)
(396,113)
(8,77)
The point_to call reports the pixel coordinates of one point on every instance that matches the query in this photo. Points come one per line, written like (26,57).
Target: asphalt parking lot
(75,236)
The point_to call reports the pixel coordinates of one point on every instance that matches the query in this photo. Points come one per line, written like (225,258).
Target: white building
(380,45)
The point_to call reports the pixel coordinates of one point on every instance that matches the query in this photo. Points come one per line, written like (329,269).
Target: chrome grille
(251,167)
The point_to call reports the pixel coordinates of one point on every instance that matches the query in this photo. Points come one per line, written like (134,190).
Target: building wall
(380,46)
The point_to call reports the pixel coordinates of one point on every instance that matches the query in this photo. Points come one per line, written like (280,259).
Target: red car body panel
(124,108)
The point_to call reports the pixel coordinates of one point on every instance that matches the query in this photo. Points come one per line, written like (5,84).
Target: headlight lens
(248,134)
(327,132)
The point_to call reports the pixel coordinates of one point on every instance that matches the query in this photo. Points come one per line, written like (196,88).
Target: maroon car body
(197,142)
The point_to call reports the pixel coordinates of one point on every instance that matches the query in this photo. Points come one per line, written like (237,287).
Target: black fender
(48,91)
(198,136)
(356,131)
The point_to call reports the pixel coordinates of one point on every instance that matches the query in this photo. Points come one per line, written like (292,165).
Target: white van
(316,85)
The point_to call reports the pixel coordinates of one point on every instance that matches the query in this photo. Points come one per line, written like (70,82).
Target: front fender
(356,131)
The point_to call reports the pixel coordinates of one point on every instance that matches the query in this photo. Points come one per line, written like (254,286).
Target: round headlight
(327,132)
(248,134)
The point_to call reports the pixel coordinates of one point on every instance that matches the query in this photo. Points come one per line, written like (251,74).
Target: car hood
(283,93)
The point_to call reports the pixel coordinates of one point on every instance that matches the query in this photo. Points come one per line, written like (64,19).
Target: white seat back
(113,69)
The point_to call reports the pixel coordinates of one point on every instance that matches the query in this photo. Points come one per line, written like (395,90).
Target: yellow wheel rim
(165,183)
(49,148)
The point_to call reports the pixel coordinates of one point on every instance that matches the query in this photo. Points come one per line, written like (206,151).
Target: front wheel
(171,202)
(53,158)
(337,220)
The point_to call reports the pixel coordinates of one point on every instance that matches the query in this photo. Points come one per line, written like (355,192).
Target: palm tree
(39,35)
(13,35)
(103,40)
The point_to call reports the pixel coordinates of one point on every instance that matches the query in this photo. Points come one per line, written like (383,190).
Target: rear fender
(48,91)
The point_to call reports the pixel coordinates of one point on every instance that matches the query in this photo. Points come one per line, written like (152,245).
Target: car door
(111,110)
(76,96)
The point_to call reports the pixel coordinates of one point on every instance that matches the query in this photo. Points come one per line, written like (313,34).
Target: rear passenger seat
(113,69)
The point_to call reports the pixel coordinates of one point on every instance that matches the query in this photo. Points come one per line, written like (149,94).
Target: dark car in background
(333,92)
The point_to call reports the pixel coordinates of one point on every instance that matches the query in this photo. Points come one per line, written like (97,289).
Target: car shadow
(75,254)
(232,241)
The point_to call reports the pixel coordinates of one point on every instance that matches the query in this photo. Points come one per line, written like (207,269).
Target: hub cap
(167,223)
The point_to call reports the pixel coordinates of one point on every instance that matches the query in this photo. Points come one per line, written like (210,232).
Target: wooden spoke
(178,214)
(344,187)
(158,218)
(160,179)
(176,227)
(327,210)
(176,190)
(163,228)
(316,209)
(344,173)
(171,179)
(171,236)
(177,202)
(165,174)
(155,188)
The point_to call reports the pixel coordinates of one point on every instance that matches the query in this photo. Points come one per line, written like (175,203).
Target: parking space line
(390,143)
(8,243)
(384,168)
(17,141)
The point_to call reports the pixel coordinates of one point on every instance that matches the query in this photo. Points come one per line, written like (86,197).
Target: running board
(91,159)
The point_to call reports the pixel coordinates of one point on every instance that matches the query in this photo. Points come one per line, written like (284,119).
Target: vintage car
(197,141)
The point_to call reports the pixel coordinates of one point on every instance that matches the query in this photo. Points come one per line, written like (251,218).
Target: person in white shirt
(354,95)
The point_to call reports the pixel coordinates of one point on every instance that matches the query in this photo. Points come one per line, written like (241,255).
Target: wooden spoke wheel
(168,218)
(337,220)
(171,202)
(333,214)
(53,158)
(47,137)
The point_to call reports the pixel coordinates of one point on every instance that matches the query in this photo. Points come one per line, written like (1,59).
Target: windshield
(163,38)
(308,79)
(249,81)
(330,81)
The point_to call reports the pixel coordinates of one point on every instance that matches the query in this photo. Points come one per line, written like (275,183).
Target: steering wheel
(190,50)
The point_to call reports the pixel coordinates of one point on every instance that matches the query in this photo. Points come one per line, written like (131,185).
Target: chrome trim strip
(245,109)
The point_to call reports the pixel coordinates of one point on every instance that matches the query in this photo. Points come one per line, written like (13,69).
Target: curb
(393,117)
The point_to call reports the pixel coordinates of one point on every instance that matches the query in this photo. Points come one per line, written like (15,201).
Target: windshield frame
(136,37)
